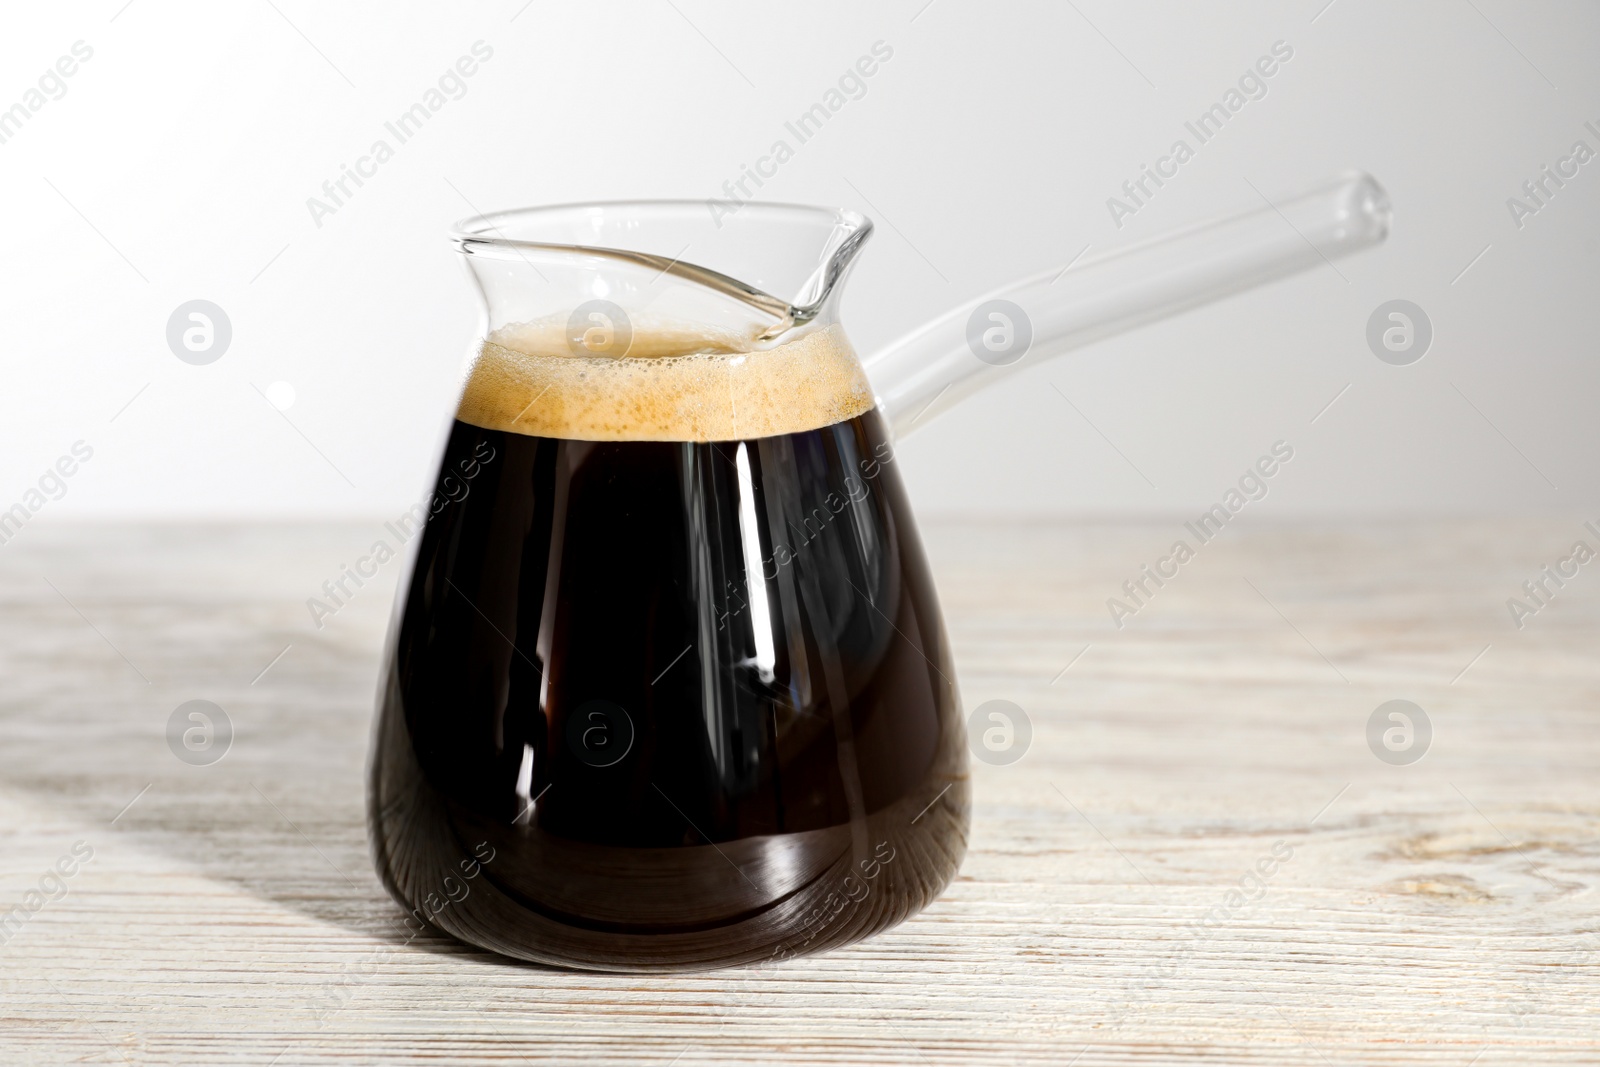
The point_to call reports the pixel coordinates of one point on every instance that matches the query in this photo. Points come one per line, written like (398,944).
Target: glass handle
(927,371)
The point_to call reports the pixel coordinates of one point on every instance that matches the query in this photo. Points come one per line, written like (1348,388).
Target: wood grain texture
(1430,913)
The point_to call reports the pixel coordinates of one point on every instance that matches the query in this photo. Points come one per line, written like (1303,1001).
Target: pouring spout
(930,369)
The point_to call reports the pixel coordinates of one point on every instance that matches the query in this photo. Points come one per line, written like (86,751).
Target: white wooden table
(1441,912)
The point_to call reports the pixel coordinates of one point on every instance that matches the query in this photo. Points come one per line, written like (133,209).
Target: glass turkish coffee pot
(667,685)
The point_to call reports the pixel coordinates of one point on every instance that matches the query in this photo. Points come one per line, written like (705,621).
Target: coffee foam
(677,383)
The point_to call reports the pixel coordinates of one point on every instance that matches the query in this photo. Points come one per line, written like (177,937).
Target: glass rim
(490,228)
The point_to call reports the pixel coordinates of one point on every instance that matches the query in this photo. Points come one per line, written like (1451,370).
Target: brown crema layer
(676,383)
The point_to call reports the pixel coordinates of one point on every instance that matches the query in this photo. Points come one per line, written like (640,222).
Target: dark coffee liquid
(660,705)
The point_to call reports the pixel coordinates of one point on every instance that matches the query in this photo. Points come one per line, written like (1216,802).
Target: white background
(178,164)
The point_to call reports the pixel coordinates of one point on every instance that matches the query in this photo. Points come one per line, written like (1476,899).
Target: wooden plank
(1198,855)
